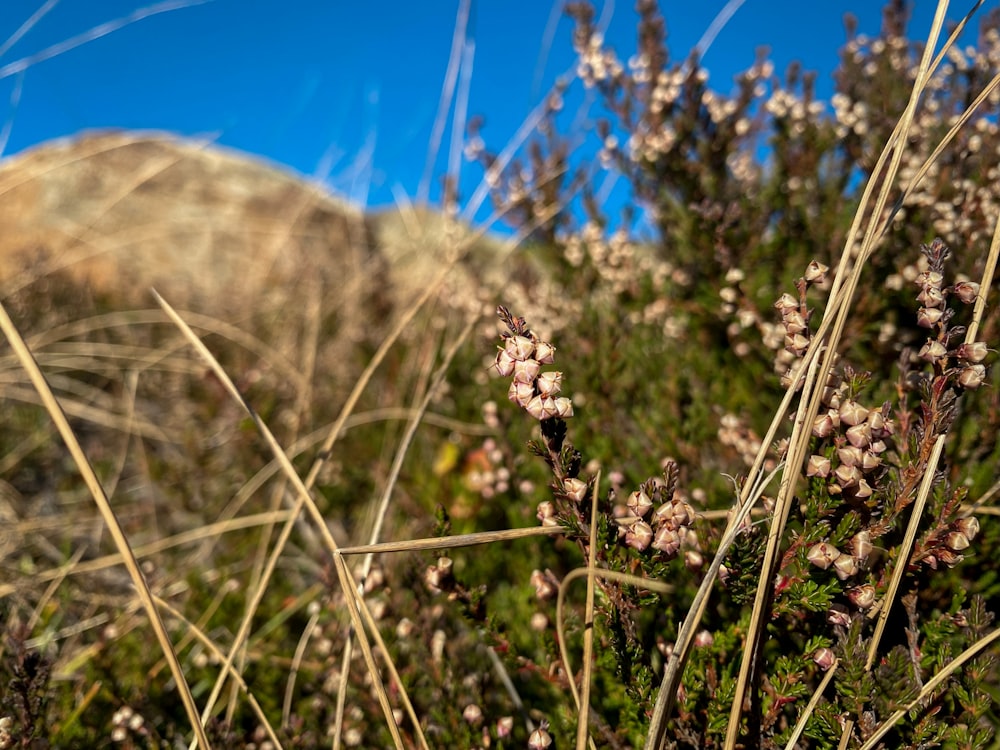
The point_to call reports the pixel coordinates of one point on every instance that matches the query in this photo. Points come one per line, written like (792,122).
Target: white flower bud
(545,587)
(845,566)
(794,322)
(870,461)
(931,297)
(473,714)
(540,739)
(823,426)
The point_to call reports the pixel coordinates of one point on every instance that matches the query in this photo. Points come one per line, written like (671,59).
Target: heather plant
(717,474)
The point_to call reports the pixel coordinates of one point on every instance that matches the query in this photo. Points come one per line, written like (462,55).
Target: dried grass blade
(107,513)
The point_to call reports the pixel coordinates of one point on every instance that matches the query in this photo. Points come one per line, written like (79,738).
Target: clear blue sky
(347,91)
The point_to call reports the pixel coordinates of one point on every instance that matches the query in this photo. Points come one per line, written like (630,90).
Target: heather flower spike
(521,357)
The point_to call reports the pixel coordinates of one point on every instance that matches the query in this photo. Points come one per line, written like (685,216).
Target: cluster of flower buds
(795,321)
(950,543)
(845,563)
(655,516)
(859,434)
(934,314)
(521,358)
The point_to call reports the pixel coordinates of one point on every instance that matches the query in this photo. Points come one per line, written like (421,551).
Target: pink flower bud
(967,291)
(932,351)
(838,615)
(639,503)
(850,456)
(564,407)
(822,555)
(974,352)
(972,377)
(545,353)
(575,489)
(860,435)
(823,426)
(667,540)
(519,347)
(852,413)
(504,364)
(847,476)
(703,639)
(521,393)
(549,383)
(862,597)
(861,544)
(639,535)
(824,658)
(928,317)
(969,526)
(815,272)
(526,370)
(786,303)
(818,466)
(956,541)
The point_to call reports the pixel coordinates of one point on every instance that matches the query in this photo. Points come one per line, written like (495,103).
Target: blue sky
(347,91)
